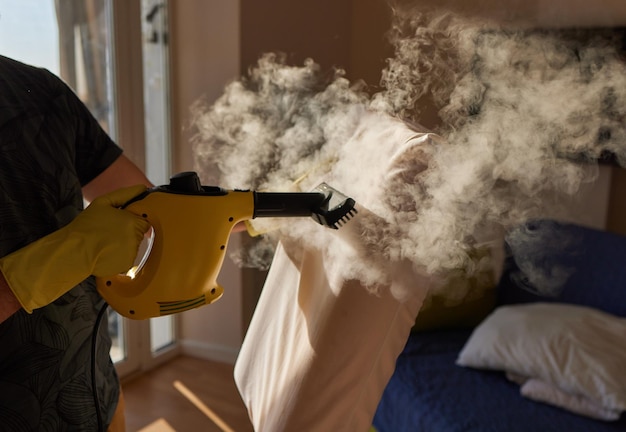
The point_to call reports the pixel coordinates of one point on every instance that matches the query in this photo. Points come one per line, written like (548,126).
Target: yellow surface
(191,233)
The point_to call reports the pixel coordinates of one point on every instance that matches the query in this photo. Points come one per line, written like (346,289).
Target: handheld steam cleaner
(192,224)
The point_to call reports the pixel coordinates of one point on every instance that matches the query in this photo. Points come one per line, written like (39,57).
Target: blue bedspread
(438,396)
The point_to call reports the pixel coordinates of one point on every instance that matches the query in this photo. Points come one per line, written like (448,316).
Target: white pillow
(579,350)
(537,390)
(540,391)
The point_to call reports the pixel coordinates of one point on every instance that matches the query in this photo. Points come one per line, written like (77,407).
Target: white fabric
(577,349)
(316,361)
(540,391)
(321,347)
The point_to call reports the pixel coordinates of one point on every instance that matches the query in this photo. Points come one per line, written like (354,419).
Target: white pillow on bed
(540,391)
(579,350)
(537,390)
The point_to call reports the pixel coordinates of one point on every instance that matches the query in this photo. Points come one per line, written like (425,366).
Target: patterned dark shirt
(50,146)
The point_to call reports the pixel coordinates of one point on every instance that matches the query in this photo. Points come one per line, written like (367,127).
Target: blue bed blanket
(429,393)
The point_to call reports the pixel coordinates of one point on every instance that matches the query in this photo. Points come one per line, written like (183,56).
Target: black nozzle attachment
(336,210)
(324,204)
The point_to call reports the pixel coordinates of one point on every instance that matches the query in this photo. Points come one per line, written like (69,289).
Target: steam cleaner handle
(180,270)
(101,240)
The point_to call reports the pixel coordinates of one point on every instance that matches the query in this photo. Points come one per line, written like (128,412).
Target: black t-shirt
(50,146)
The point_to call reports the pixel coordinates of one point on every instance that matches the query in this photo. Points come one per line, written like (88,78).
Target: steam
(277,124)
(521,111)
(534,247)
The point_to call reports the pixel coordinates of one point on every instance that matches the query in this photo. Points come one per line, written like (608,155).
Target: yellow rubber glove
(102,240)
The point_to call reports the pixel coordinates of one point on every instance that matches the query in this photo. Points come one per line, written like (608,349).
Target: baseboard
(206,351)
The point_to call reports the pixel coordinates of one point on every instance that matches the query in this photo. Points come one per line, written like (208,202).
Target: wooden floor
(186,394)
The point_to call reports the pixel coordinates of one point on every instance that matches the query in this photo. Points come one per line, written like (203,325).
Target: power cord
(94,389)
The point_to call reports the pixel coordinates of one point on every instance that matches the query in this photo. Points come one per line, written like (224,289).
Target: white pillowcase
(537,390)
(579,350)
(540,391)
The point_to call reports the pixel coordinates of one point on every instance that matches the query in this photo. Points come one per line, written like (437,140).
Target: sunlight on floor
(160,425)
(202,407)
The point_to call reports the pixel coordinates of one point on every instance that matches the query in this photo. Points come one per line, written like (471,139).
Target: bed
(430,391)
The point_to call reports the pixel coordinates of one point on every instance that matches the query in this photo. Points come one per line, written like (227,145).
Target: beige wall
(348,34)
(205,41)
(316,29)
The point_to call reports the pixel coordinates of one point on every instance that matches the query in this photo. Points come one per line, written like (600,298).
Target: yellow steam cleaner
(191,227)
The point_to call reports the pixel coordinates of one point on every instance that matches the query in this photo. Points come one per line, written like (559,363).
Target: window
(77,41)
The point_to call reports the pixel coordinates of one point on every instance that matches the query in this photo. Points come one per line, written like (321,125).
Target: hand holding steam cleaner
(100,241)
(192,224)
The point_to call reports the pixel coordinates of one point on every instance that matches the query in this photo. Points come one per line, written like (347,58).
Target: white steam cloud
(523,116)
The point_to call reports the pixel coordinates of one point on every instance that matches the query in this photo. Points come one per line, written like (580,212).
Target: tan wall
(204,58)
(318,30)
(348,34)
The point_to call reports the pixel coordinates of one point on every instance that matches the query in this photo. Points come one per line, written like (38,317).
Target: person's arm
(121,173)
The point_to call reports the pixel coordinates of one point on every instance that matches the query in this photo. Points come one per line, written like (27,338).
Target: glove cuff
(43,271)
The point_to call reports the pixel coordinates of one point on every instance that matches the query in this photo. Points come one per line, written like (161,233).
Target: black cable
(94,389)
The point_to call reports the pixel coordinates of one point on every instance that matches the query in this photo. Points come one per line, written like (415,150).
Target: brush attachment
(335,210)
